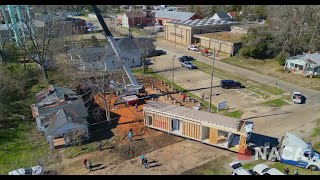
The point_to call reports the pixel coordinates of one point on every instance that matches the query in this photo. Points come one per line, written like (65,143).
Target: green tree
(94,41)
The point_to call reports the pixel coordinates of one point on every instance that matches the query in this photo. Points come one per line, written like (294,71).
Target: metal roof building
(181,32)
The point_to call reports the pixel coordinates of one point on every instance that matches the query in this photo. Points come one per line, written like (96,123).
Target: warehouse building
(225,43)
(213,129)
(181,32)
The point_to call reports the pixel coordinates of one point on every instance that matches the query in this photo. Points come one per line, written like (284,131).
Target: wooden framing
(231,138)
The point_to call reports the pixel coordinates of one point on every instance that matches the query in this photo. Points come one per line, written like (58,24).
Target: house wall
(191,129)
(224,47)
(125,21)
(184,34)
(132,59)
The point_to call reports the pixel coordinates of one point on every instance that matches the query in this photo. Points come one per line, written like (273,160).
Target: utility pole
(173,68)
(214,56)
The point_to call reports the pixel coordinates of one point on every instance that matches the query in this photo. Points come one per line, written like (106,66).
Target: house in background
(102,58)
(136,19)
(221,16)
(165,16)
(306,64)
(52,100)
(233,15)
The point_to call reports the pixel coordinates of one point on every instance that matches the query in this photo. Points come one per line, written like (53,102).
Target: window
(265,170)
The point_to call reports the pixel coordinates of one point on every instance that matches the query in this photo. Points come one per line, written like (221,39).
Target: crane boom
(114,46)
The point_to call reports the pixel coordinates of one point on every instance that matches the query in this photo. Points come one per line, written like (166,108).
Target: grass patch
(234,114)
(275,103)
(18,149)
(280,167)
(74,151)
(316,130)
(254,86)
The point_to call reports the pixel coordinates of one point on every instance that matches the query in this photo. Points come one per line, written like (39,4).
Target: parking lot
(198,82)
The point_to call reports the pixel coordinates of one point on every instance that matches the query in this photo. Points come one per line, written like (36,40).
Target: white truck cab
(296,152)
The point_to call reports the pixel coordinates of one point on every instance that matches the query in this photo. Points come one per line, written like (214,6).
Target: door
(150,120)
(175,125)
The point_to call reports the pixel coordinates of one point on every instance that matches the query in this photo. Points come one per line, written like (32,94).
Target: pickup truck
(188,65)
(193,48)
(262,169)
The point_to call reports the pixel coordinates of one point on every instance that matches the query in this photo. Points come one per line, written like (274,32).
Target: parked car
(262,169)
(35,170)
(189,65)
(297,97)
(160,52)
(238,169)
(226,84)
(185,58)
(193,47)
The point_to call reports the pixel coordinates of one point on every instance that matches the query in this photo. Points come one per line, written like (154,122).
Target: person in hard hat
(130,136)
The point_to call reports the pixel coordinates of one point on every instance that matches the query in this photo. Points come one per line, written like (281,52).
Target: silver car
(35,170)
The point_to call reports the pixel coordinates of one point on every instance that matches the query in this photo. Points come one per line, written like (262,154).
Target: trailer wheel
(313,168)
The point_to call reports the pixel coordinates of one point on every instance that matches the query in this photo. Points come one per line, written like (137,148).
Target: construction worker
(202,96)
(296,172)
(130,136)
(142,159)
(85,163)
(90,165)
(99,145)
(286,171)
(136,105)
(183,97)
(145,162)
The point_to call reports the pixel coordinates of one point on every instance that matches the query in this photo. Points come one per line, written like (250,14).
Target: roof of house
(314,58)
(225,36)
(125,45)
(131,14)
(195,115)
(174,15)
(233,14)
(204,22)
(52,94)
(61,118)
(75,107)
(222,15)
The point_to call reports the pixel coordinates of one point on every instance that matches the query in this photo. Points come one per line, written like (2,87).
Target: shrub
(281,58)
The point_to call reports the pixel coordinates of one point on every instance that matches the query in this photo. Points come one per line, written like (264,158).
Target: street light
(214,56)
(173,68)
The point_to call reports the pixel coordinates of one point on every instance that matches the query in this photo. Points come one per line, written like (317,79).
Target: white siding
(125,21)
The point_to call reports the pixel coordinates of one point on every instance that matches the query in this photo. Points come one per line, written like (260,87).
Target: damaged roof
(62,117)
(195,115)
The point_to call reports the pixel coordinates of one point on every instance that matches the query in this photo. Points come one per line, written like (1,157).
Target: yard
(260,89)
(275,103)
(272,68)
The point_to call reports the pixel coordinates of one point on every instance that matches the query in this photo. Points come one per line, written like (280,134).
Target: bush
(258,51)
(281,58)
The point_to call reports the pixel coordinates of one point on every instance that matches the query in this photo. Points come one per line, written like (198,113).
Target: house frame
(213,129)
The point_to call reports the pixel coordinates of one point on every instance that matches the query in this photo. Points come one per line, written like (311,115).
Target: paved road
(312,95)
(274,122)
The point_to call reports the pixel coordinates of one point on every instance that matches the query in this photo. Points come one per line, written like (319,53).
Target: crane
(134,87)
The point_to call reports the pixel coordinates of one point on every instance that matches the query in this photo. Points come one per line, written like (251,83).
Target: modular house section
(209,128)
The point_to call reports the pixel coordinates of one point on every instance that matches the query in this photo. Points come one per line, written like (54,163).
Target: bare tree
(38,43)
(145,47)
(95,76)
